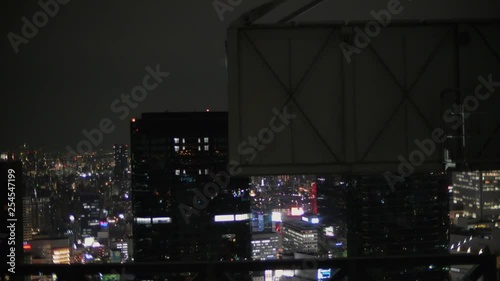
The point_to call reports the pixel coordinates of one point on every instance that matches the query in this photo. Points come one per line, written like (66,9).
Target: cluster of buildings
(72,210)
(183,212)
(176,198)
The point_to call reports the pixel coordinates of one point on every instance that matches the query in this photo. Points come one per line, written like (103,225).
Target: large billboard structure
(354,98)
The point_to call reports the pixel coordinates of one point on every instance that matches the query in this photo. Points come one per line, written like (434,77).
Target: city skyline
(235,139)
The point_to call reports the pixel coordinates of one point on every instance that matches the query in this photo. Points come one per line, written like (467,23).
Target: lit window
(176,148)
(206,147)
(177,172)
(183,140)
(206,171)
(199,140)
(176,140)
(183,148)
(183,172)
(205,140)
(199,148)
(199,171)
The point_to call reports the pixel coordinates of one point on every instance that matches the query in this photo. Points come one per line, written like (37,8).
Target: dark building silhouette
(411,218)
(184,205)
(121,161)
(90,214)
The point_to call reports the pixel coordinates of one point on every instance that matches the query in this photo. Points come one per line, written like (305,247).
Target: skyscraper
(478,192)
(27,216)
(181,193)
(410,219)
(121,184)
(121,161)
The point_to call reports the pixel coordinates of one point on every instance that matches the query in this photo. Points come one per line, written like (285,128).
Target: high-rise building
(121,170)
(49,251)
(91,214)
(300,236)
(478,193)
(42,216)
(265,245)
(411,218)
(179,173)
(121,161)
(27,216)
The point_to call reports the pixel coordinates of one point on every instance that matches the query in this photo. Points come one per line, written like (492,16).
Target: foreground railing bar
(488,264)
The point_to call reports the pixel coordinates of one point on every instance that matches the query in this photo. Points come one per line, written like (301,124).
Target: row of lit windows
(178,148)
(205,140)
(471,187)
(492,206)
(200,172)
(496,188)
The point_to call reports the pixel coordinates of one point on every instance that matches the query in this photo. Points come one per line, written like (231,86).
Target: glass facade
(179,173)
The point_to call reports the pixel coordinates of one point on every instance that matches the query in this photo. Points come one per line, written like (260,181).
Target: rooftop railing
(354,269)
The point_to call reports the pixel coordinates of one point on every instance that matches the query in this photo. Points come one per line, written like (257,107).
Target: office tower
(121,178)
(121,161)
(410,219)
(265,245)
(180,186)
(91,214)
(27,216)
(332,205)
(478,193)
(226,234)
(42,219)
(300,237)
(49,251)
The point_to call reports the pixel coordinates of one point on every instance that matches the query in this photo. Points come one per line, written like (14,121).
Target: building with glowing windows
(265,246)
(300,237)
(90,215)
(478,192)
(184,205)
(409,219)
(121,161)
(48,251)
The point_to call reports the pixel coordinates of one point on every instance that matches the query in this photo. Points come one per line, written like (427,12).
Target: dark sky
(66,77)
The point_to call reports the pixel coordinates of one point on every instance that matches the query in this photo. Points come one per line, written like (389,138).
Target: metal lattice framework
(362,114)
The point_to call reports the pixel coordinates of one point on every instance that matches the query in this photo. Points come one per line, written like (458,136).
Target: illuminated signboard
(324,274)
(297,211)
(329,231)
(224,218)
(241,217)
(276,217)
(88,241)
(160,220)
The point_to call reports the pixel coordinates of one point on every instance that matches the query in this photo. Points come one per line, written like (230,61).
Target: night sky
(66,77)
